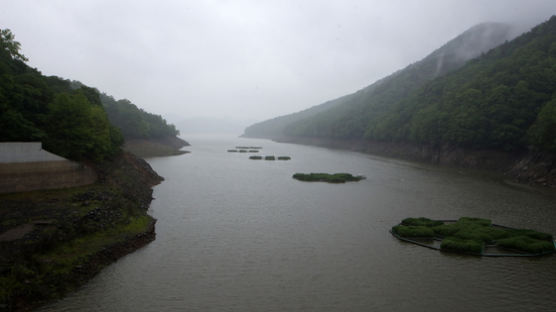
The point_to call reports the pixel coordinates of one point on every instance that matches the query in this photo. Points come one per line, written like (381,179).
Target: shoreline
(146,148)
(72,234)
(526,167)
(86,271)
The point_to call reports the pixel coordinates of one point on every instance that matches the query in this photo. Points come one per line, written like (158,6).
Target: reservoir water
(235,234)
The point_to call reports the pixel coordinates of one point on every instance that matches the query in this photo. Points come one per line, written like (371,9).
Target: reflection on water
(235,234)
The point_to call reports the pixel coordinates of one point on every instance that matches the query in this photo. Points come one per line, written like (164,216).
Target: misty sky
(247,60)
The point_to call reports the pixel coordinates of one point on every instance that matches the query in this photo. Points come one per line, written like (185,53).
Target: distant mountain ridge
(496,111)
(347,116)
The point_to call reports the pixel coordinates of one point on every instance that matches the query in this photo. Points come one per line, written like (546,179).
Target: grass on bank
(81,247)
(52,273)
(470,235)
(326,177)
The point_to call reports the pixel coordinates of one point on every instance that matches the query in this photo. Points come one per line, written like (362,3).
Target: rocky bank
(53,241)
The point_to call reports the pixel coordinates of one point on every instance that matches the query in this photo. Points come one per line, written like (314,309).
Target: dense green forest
(68,117)
(134,122)
(505,99)
(348,116)
(69,122)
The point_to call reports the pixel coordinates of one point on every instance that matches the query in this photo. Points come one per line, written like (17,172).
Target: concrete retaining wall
(16,152)
(25,166)
(23,177)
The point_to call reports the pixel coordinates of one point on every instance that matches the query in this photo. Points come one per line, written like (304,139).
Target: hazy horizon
(244,60)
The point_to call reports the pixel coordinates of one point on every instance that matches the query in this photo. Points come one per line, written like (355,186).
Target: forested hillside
(504,100)
(348,116)
(134,122)
(274,128)
(69,122)
(71,119)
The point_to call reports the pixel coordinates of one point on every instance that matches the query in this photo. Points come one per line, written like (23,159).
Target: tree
(7,43)
(543,131)
(78,129)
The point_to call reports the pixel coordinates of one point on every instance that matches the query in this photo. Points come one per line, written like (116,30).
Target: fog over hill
(478,39)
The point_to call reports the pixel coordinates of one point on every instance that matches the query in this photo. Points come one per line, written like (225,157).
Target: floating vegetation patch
(253,151)
(327,177)
(474,236)
(243,151)
(256,157)
(421,222)
(269,158)
(249,147)
(284,158)
(232,151)
(413,231)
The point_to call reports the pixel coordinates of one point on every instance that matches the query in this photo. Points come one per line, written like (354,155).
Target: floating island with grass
(249,147)
(270,157)
(243,150)
(327,177)
(474,236)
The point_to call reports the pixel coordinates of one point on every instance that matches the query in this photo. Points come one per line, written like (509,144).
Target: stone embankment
(53,241)
(25,166)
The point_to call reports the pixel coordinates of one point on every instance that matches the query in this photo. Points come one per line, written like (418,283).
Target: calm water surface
(235,234)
